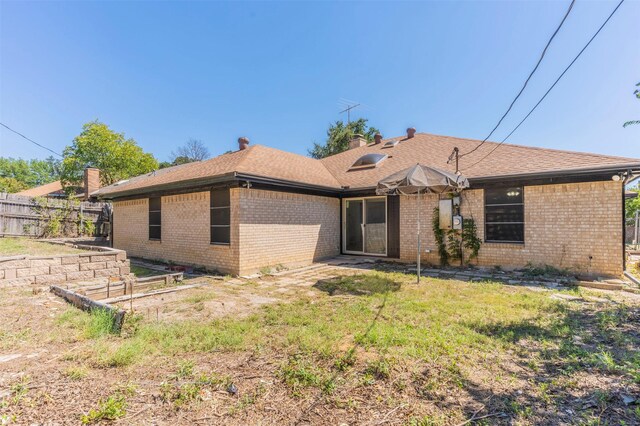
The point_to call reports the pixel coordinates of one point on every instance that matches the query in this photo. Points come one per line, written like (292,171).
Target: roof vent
(411,132)
(243,143)
(377,138)
(390,144)
(368,161)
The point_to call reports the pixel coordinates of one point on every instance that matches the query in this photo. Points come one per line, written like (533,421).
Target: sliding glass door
(365,226)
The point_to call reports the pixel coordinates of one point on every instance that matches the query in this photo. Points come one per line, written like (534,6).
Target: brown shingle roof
(42,190)
(434,150)
(333,172)
(257,160)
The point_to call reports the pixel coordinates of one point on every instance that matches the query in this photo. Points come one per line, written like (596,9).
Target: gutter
(632,170)
(558,173)
(228,177)
(287,183)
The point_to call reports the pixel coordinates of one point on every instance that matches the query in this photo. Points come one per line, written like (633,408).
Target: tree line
(99,146)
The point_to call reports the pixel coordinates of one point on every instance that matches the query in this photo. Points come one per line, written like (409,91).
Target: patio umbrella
(418,180)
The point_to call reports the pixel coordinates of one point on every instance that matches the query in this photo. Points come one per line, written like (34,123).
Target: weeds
(112,408)
(299,374)
(76,373)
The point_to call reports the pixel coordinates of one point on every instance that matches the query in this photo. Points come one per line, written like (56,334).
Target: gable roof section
(434,150)
(255,161)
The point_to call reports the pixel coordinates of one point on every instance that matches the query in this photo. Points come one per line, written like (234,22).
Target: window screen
(220,216)
(504,214)
(155,218)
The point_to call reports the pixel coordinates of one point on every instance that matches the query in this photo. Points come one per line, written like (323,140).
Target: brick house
(259,206)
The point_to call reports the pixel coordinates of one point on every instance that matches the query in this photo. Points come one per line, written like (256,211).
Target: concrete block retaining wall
(106,263)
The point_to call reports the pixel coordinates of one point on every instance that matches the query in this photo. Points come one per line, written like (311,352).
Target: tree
(30,173)
(632,204)
(339,135)
(9,184)
(192,150)
(628,123)
(99,146)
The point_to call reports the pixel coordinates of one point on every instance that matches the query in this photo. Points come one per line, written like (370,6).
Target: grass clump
(102,322)
(76,372)
(111,408)
(380,369)
(141,271)
(533,271)
(299,373)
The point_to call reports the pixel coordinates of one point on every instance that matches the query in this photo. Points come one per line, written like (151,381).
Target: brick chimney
(243,143)
(357,141)
(91,181)
(411,132)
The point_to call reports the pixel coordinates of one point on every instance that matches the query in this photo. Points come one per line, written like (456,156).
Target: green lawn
(521,353)
(16,246)
(141,271)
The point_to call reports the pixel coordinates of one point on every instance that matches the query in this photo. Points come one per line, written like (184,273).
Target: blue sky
(163,72)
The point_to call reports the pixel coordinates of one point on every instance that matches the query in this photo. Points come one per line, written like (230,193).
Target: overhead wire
(30,140)
(526,82)
(550,88)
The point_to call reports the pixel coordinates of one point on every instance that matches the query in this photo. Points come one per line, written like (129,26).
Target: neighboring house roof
(334,172)
(630,195)
(256,161)
(42,190)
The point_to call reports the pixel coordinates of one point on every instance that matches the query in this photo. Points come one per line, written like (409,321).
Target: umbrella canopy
(421,179)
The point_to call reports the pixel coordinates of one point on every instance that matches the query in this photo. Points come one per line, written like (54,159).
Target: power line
(30,140)
(552,86)
(544,52)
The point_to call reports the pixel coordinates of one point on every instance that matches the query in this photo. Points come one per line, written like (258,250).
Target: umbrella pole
(418,270)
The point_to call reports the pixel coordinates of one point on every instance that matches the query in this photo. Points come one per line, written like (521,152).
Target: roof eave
(183,184)
(633,168)
(228,177)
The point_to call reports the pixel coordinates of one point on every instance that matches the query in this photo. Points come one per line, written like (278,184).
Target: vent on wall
(368,161)
(390,144)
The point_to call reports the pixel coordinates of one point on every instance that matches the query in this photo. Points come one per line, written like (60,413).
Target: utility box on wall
(446,213)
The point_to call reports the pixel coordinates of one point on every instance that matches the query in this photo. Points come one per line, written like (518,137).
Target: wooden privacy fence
(27,216)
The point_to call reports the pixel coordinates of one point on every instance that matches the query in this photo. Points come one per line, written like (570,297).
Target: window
(368,160)
(504,214)
(220,216)
(155,218)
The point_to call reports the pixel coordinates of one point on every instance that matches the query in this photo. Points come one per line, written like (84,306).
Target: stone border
(98,262)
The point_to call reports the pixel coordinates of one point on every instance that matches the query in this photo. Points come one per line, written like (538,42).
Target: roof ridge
(244,157)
